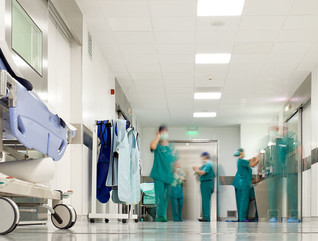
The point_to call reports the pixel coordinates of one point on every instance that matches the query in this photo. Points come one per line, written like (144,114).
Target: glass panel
(292,169)
(27,39)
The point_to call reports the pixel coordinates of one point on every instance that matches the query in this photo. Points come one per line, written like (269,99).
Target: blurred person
(162,170)
(177,192)
(207,176)
(243,183)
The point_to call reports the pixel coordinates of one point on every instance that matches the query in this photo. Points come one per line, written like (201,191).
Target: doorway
(189,152)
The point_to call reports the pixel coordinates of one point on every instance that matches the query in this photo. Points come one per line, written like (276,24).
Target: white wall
(98,79)
(59,79)
(252,138)
(2,20)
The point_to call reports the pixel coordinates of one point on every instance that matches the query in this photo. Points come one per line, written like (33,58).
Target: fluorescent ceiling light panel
(204,114)
(220,7)
(212,58)
(207,95)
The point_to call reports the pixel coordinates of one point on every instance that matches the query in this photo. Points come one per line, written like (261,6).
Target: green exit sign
(192,132)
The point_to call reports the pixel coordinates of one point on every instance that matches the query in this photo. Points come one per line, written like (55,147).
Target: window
(27,38)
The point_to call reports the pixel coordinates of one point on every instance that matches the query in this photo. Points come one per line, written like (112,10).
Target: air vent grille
(90,46)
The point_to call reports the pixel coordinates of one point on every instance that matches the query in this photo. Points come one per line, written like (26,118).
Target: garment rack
(93,215)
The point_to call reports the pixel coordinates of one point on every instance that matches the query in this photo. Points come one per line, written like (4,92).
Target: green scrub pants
(177,202)
(207,188)
(242,202)
(162,195)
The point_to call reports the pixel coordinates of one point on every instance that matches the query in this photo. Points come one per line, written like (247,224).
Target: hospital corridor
(158,120)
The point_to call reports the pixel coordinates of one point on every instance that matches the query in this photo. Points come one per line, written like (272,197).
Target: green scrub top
(243,177)
(209,175)
(162,168)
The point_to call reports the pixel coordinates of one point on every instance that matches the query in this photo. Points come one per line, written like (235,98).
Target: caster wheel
(92,220)
(74,216)
(106,220)
(124,221)
(64,217)
(10,215)
(136,220)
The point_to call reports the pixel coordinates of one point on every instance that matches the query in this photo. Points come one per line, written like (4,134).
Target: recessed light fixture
(212,58)
(204,114)
(220,7)
(207,95)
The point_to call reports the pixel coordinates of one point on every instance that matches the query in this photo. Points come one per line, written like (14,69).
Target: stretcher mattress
(29,120)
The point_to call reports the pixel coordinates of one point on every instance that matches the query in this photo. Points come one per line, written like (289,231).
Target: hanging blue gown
(104,135)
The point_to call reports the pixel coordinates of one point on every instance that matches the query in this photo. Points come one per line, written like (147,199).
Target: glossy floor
(188,230)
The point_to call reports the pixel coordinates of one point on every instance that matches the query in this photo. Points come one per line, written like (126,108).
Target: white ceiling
(150,45)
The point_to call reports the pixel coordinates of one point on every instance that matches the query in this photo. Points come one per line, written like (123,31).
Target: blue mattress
(31,122)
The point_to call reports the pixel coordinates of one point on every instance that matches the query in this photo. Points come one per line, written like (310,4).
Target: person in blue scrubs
(207,176)
(177,192)
(243,182)
(162,171)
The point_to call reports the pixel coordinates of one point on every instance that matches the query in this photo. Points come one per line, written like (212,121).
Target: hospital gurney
(28,124)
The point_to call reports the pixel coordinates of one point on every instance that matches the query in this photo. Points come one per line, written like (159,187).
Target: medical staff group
(169,177)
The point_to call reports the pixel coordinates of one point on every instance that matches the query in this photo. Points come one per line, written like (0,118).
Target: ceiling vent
(218,23)
(90,46)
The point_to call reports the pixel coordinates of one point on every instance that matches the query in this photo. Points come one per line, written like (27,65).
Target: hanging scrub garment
(124,158)
(112,177)
(104,135)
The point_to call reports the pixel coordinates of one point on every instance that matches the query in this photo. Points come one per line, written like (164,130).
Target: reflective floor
(188,230)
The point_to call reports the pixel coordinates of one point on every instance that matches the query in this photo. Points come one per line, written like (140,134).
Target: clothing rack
(94,214)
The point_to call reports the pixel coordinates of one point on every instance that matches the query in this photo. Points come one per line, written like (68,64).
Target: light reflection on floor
(188,230)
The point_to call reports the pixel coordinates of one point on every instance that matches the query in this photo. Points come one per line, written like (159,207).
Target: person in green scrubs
(207,176)
(242,183)
(162,171)
(177,192)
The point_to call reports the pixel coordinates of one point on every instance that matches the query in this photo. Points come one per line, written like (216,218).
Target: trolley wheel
(92,220)
(136,220)
(64,217)
(106,220)
(124,221)
(10,215)
(74,216)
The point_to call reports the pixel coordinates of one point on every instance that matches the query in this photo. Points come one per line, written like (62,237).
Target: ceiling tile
(298,36)
(215,76)
(215,36)
(125,8)
(177,68)
(136,48)
(176,59)
(268,7)
(130,24)
(172,8)
(145,76)
(262,22)
(224,47)
(217,23)
(208,83)
(134,37)
(177,76)
(173,24)
(211,68)
(301,22)
(143,68)
(252,48)
(174,37)
(291,48)
(304,7)
(257,35)
(133,59)
(176,48)
(173,83)
(110,49)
